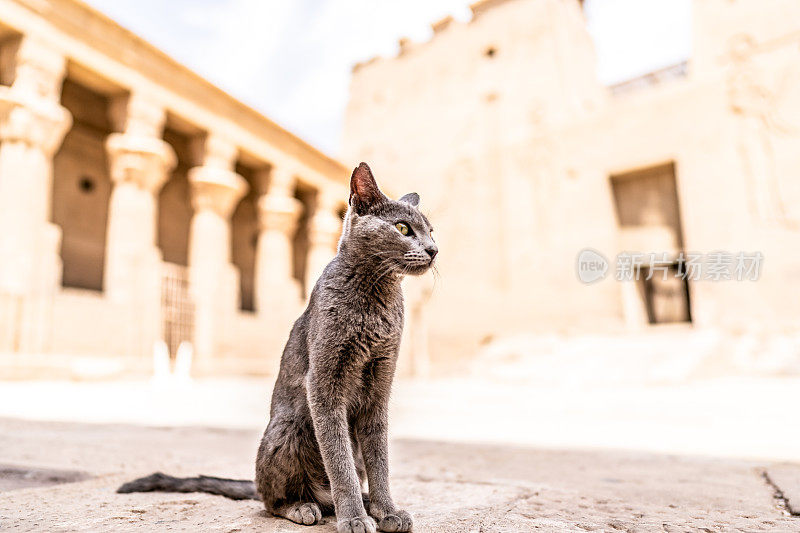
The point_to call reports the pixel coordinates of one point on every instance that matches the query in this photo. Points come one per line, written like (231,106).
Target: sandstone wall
(500,125)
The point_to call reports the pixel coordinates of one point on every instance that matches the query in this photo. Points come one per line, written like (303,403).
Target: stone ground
(448,487)
(553,449)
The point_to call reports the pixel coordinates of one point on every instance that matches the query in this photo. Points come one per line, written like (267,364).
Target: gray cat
(328,421)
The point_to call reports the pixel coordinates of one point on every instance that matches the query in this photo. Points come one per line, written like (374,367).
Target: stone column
(415,360)
(278,211)
(216,190)
(32,126)
(323,235)
(140,163)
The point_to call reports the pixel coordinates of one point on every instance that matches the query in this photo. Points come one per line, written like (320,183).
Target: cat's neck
(369,275)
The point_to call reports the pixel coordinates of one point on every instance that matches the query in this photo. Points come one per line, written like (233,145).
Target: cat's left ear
(411,198)
(364,191)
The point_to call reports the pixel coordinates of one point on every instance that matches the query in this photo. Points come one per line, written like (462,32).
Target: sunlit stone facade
(523,159)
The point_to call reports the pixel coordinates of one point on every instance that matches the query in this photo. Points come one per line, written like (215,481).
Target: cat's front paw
(398,521)
(359,524)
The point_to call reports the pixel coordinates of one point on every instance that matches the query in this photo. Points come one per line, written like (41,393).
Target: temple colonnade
(298,196)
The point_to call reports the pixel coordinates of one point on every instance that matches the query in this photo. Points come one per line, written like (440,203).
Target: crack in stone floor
(781,500)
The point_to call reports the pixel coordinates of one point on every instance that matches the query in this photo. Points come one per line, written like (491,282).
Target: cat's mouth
(417,263)
(418,268)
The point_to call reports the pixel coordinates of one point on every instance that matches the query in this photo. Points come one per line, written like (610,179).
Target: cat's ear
(411,198)
(364,192)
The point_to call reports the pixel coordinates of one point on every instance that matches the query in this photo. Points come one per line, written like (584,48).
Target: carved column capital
(216,189)
(215,186)
(139,155)
(145,161)
(36,122)
(29,109)
(279,213)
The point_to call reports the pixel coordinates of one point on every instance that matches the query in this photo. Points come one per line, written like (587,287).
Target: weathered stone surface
(786,481)
(447,487)
(501,126)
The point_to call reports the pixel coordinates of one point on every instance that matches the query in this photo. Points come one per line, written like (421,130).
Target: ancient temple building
(523,159)
(140,203)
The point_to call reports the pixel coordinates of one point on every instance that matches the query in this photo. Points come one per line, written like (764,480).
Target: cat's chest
(366,325)
(382,326)
(376,328)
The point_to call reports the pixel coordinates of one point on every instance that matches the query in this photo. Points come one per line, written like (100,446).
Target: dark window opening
(86,185)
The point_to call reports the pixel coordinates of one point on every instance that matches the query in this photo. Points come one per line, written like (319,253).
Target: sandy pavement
(448,487)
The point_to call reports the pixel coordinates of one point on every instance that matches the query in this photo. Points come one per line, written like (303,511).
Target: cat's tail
(235,489)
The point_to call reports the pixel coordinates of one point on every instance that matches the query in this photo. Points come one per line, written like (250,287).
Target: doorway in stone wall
(648,214)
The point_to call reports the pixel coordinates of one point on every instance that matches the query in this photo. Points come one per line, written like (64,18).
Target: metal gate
(177,307)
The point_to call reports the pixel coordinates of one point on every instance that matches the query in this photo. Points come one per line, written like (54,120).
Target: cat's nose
(432,251)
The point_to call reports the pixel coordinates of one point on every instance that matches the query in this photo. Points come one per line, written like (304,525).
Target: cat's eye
(403,228)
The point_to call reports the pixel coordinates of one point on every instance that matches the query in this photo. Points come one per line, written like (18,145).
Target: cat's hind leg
(290,476)
(306,513)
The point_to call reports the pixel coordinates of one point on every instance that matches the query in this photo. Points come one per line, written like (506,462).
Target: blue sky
(291,59)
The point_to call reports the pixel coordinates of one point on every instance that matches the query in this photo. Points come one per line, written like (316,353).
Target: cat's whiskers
(436,277)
